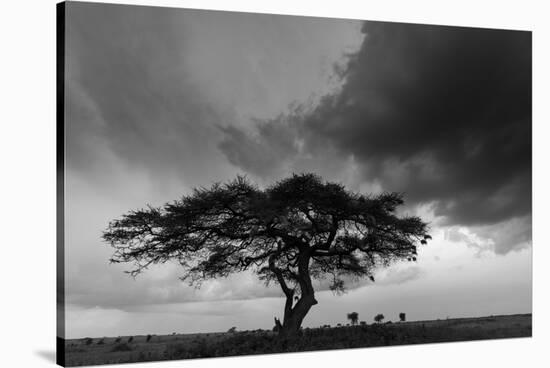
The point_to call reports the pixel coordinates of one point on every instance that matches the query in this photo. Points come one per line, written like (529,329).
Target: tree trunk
(294,316)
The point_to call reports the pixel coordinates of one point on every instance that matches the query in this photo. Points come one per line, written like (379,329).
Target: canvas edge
(60,181)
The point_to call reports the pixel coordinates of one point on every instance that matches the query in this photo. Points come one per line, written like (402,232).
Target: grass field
(112,350)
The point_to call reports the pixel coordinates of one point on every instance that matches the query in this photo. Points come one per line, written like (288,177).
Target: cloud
(153,85)
(130,93)
(148,289)
(511,235)
(440,113)
(397,276)
(266,153)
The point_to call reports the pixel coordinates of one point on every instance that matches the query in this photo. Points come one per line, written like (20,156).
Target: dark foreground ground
(112,350)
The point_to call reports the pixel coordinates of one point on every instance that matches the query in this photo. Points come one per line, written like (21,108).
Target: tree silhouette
(353,317)
(379,318)
(402,317)
(292,232)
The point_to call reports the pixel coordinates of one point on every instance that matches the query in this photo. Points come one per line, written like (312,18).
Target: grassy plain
(126,349)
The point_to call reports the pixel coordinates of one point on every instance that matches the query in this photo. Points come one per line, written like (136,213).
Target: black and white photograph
(241,184)
(275,183)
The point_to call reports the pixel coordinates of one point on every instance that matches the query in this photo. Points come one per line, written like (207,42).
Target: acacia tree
(292,232)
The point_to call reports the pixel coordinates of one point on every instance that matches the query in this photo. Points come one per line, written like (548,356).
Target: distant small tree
(353,317)
(402,317)
(149,337)
(232,329)
(379,318)
(130,339)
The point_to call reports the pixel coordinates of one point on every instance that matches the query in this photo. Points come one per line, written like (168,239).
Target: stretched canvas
(236,183)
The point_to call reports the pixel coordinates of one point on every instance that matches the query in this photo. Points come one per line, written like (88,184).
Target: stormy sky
(159,101)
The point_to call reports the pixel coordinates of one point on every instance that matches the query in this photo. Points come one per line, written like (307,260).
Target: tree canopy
(300,228)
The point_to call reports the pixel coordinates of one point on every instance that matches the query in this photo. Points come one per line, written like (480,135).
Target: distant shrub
(121,347)
(363,323)
(149,337)
(353,317)
(130,339)
(232,329)
(88,340)
(101,342)
(117,340)
(402,317)
(378,318)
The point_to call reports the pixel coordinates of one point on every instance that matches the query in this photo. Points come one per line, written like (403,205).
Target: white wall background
(27,187)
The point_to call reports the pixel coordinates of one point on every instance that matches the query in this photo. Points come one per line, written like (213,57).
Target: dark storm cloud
(129,88)
(267,152)
(440,113)
(152,85)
